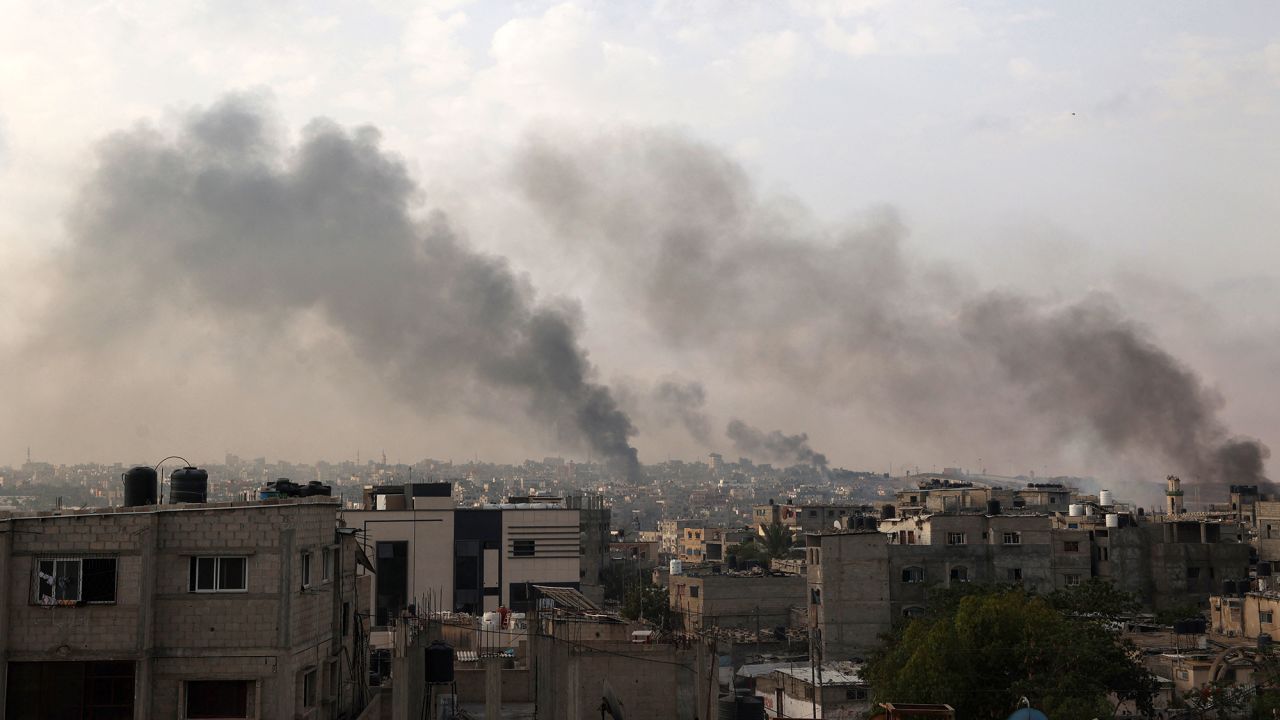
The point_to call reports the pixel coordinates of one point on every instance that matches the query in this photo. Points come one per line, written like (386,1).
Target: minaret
(1173,496)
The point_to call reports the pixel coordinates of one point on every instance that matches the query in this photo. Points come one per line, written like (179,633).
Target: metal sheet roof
(567,598)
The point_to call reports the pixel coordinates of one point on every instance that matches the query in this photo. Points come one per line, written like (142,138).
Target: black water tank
(727,707)
(188,485)
(317,488)
(1264,641)
(750,708)
(139,486)
(1264,569)
(1180,627)
(888,512)
(439,663)
(993,507)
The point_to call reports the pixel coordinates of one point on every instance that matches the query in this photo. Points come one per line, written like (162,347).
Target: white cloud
(897,27)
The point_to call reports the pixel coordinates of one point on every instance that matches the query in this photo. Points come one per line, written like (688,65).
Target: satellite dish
(609,702)
(1027,713)
(836,523)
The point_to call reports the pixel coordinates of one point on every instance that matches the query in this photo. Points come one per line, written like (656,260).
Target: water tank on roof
(993,507)
(676,567)
(1104,498)
(1075,510)
(188,485)
(139,486)
(1113,520)
(438,667)
(1264,569)
(888,512)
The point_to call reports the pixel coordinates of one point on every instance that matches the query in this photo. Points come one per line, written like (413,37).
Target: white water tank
(1075,510)
(489,621)
(1113,520)
(677,567)
(1104,498)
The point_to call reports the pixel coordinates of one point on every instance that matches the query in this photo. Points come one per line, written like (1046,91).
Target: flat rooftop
(168,507)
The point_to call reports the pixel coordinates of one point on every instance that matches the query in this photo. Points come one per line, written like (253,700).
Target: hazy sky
(1051,149)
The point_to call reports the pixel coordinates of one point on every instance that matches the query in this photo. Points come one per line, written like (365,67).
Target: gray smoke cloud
(684,402)
(844,316)
(774,446)
(242,227)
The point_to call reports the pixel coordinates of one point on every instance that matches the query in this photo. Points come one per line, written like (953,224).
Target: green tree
(988,647)
(1170,615)
(649,602)
(748,550)
(1096,598)
(776,538)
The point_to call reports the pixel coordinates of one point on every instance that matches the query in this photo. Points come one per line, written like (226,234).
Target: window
(1013,538)
(1193,573)
(309,688)
(306,569)
(955,538)
(1071,546)
(813,513)
(913,575)
(331,690)
(218,574)
(218,698)
(1072,580)
(815,596)
(855,693)
(326,564)
(960,574)
(68,581)
(693,591)
(912,612)
(1015,574)
(346,619)
(522,548)
(1265,616)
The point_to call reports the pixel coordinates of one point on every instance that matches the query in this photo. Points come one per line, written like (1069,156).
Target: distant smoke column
(685,402)
(263,233)
(1088,363)
(774,446)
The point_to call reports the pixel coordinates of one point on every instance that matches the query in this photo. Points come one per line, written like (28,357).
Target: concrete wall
(269,635)
(516,685)
(737,601)
(652,681)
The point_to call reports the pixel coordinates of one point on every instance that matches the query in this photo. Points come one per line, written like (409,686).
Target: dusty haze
(221,274)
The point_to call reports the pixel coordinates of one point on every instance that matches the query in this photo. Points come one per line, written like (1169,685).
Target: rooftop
(170,507)
(832,673)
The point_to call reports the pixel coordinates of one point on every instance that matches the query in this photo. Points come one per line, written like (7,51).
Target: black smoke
(844,317)
(774,446)
(237,224)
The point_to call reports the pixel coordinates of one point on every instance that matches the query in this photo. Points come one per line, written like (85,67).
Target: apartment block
(861,581)
(230,610)
(431,554)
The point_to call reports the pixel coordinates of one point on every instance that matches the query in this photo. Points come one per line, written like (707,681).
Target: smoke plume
(774,446)
(684,403)
(844,317)
(246,229)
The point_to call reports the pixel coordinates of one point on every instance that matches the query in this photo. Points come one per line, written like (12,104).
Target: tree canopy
(983,649)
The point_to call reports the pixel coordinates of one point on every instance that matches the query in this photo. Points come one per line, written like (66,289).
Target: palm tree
(777,539)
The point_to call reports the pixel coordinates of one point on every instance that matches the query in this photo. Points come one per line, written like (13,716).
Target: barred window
(74,580)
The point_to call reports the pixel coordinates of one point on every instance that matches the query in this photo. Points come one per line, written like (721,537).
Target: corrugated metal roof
(567,598)
(837,673)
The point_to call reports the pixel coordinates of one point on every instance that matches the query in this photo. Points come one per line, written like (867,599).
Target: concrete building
(229,610)
(859,582)
(934,494)
(809,517)
(429,553)
(1267,530)
(836,691)
(735,600)
(643,554)
(708,544)
(1167,562)
(671,531)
